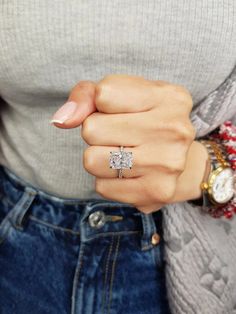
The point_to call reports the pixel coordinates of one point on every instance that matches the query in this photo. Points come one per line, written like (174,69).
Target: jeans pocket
(12,215)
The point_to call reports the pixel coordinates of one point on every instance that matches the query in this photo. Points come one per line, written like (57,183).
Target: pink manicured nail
(64,113)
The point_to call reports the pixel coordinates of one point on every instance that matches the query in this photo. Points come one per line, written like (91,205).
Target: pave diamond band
(121,160)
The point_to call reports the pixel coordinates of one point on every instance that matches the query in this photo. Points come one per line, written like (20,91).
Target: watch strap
(216,159)
(216,153)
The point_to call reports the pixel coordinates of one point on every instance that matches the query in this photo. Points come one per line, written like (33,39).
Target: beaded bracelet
(226,135)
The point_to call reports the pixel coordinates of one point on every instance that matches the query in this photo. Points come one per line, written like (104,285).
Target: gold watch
(218,189)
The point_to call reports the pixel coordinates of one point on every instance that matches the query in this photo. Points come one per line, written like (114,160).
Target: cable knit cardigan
(200,251)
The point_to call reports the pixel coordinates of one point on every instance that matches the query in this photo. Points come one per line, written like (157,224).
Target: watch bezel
(211,181)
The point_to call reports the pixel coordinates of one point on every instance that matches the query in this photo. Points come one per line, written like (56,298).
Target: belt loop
(22,206)
(149,228)
(83,221)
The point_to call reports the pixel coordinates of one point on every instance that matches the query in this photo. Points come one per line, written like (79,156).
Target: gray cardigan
(201,251)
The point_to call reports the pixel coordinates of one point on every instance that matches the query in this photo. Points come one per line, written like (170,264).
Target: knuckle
(149,190)
(100,92)
(160,192)
(181,165)
(184,131)
(180,89)
(181,95)
(189,133)
(176,168)
(177,93)
(83,86)
(88,159)
(151,193)
(88,130)
(99,187)
(192,131)
(166,194)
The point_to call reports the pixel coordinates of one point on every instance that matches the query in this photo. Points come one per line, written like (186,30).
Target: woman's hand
(150,119)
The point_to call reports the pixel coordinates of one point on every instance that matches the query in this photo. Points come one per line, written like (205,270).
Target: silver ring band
(120,174)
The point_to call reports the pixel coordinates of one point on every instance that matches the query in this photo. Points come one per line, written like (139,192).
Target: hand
(149,118)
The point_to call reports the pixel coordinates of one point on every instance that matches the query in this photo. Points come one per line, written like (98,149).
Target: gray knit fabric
(201,251)
(46,47)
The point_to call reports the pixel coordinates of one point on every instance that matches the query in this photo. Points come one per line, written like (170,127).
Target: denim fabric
(77,256)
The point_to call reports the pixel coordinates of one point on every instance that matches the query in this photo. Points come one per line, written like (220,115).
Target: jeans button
(97,219)
(155,239)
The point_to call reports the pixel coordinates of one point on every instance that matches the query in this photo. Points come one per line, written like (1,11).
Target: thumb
(80,104)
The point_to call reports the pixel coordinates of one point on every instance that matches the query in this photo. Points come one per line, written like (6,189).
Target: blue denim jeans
(77,256)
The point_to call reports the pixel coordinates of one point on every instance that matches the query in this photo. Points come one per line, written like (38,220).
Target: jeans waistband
(89,218)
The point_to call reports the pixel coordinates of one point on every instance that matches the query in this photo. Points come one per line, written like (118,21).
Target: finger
(127,190)
(97,162)
(129,129)
(125,93)
(80,104)
(146,159)
(144,193)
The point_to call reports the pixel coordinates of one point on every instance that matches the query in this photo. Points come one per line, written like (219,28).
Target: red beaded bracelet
(226,136)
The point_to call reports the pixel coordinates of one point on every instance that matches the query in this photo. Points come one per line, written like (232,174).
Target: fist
(149,119)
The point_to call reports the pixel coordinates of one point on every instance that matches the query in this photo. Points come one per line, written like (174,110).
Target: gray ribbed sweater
(46,47)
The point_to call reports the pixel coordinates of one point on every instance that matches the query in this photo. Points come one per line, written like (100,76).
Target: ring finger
(96,162)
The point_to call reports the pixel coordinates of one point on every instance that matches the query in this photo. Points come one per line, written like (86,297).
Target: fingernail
(64,113)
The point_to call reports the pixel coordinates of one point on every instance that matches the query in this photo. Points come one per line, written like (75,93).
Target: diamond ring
(121,160)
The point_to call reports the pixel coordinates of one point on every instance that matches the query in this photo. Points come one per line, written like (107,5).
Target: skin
(150,119)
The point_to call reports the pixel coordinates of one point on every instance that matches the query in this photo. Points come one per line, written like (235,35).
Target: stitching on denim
(156,256)
(107,204)
(27,204)
(5,235)
(113,233)
(20,208)
(147,247)
(12,216)
(32,217)
(53,226)
(106,275)
(149,228)
(113,272)
(76,280)
(17,227)
(144,235)
(8,201)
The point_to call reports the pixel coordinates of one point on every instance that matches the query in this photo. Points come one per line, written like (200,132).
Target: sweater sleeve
(216,108)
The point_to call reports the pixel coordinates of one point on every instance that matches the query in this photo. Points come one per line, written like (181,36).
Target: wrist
(197,170)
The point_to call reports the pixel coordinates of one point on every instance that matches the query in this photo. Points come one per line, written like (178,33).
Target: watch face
(223,186)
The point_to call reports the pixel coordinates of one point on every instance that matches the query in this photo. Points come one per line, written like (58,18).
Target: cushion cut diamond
(121,160)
